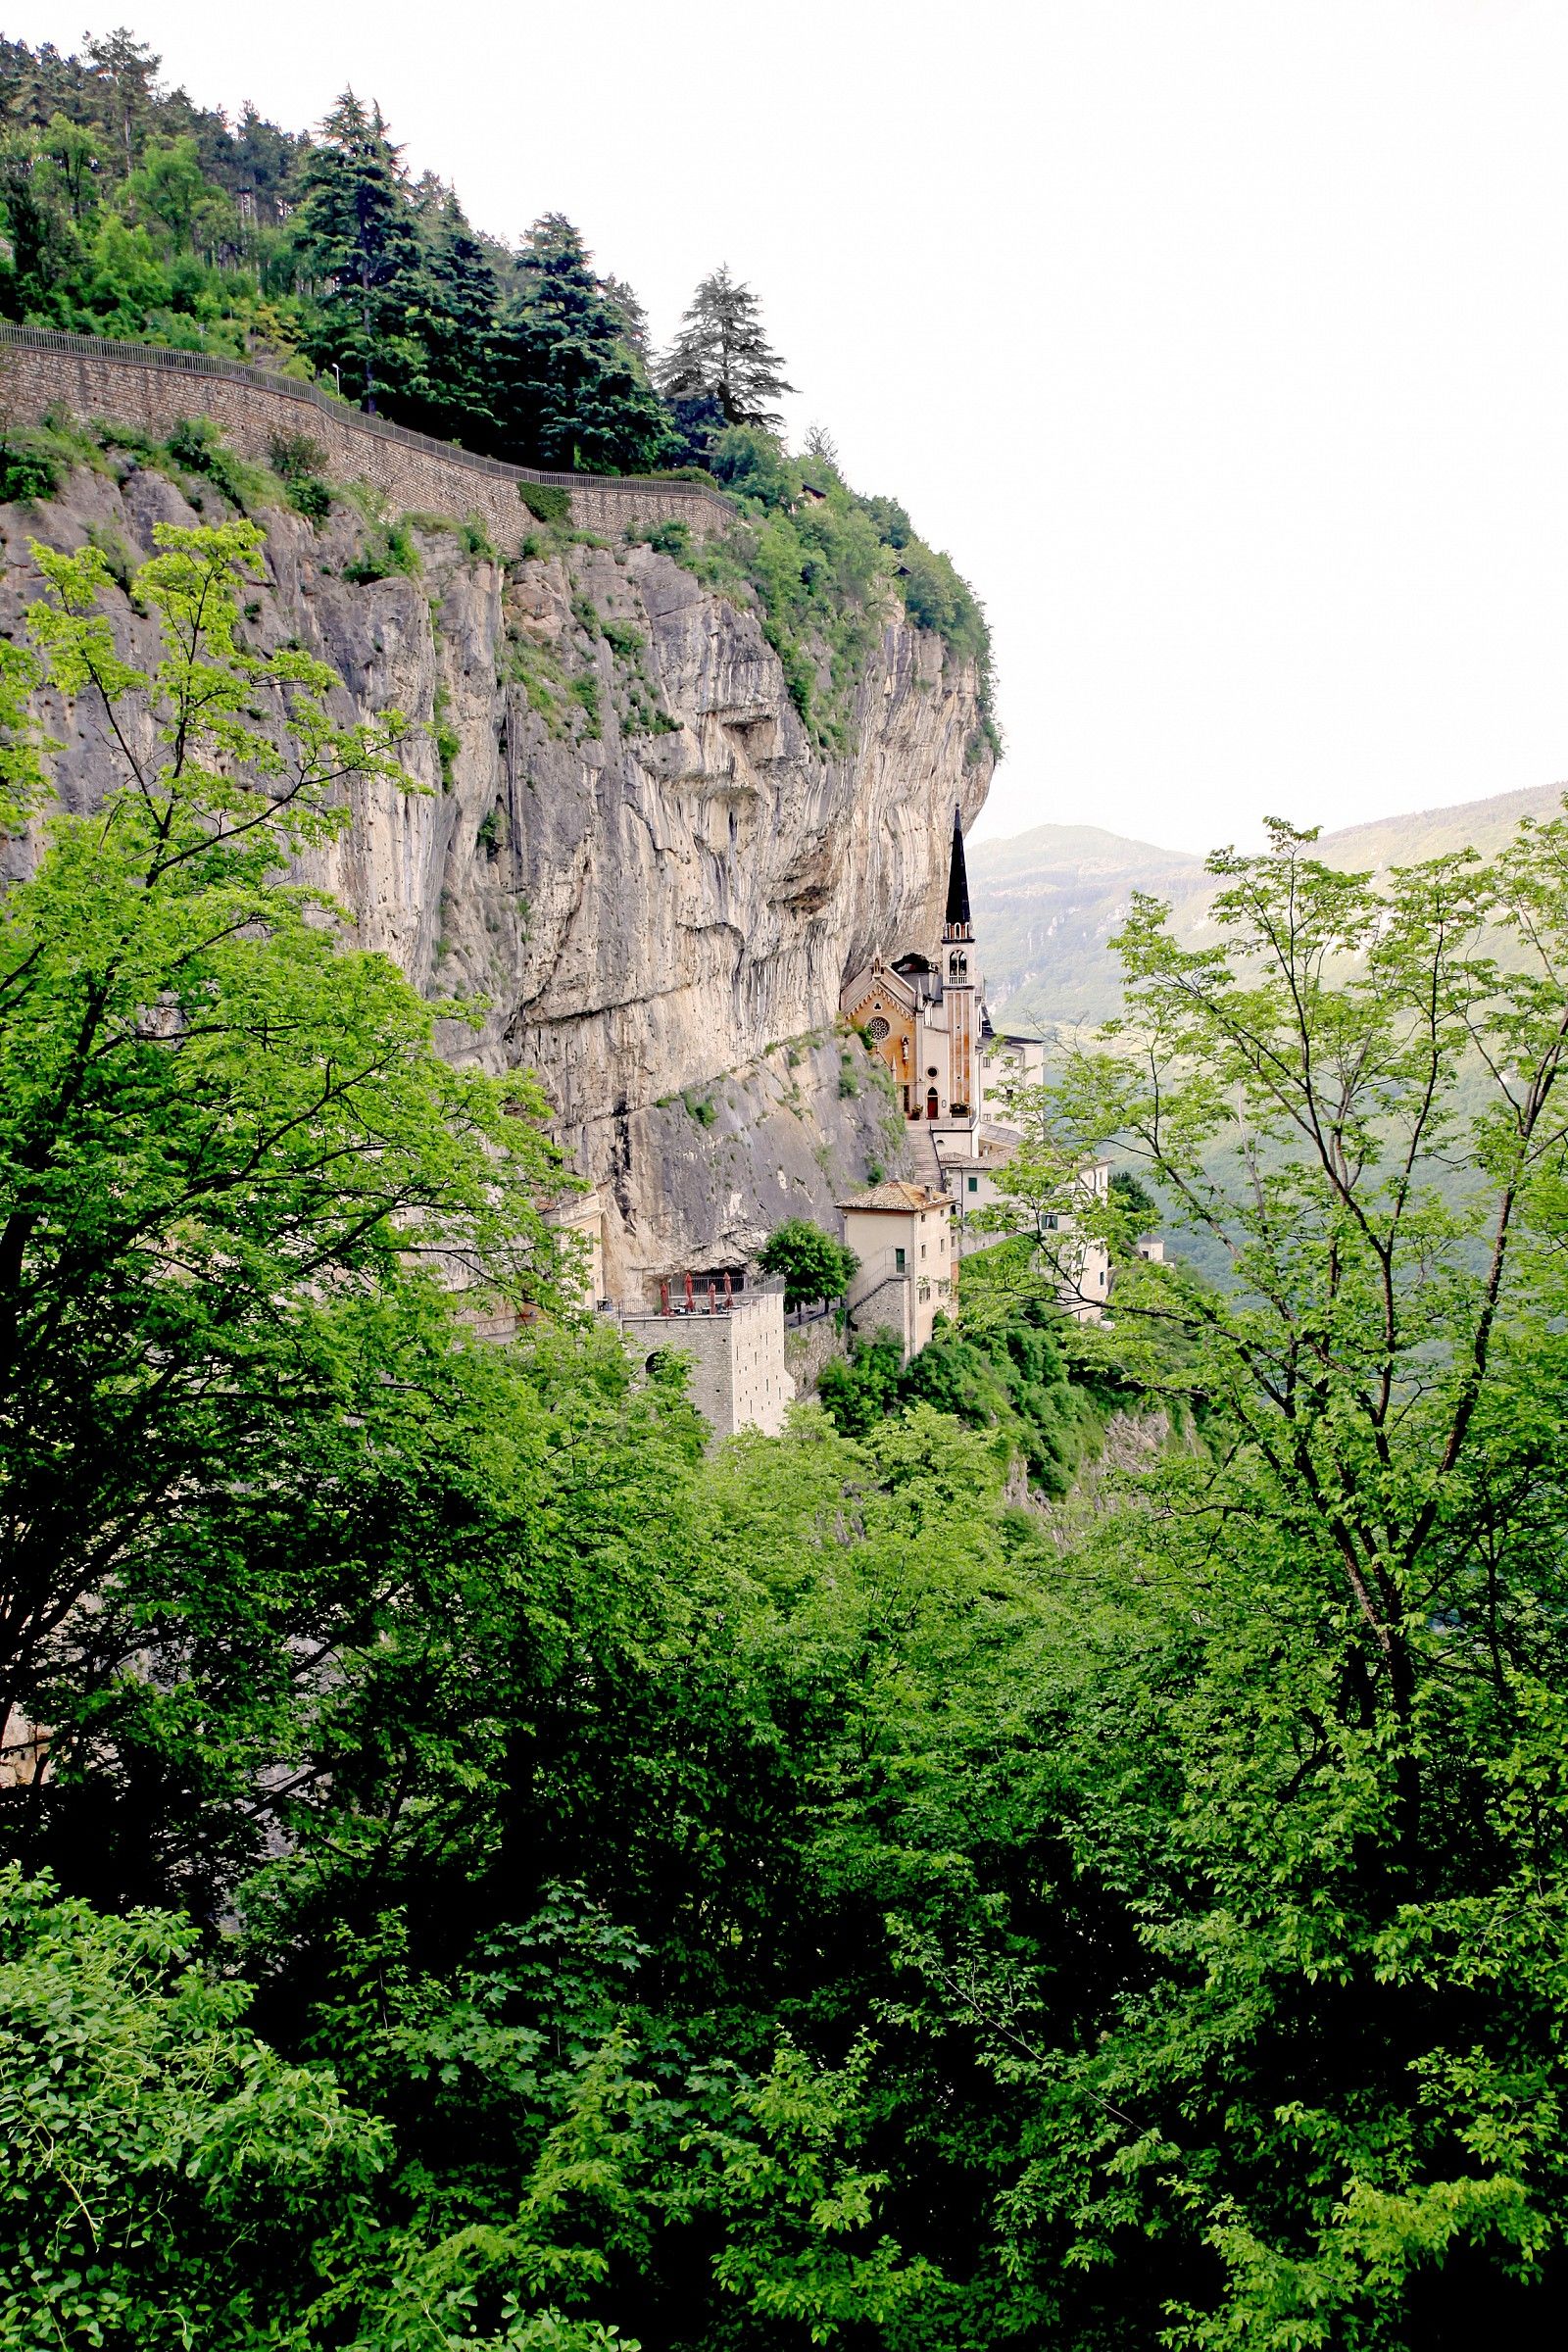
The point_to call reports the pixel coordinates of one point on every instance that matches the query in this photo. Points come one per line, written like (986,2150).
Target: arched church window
(877,1029)
(957,966)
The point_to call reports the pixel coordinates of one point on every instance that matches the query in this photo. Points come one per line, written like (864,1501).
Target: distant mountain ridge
(1048,903)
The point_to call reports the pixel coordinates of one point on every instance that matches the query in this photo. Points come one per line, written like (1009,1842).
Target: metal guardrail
(292,387)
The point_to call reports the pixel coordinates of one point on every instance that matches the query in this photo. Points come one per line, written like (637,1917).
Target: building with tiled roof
(903,1236)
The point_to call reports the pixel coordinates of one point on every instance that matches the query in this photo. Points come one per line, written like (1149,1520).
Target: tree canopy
(813,1263)
(1064,1846)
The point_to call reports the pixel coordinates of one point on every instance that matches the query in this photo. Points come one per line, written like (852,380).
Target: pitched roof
(957,879)
(895,1194)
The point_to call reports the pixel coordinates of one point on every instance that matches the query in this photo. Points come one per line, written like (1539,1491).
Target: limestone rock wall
(633,849)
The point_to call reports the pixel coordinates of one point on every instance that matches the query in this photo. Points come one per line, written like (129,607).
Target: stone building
(735,1348)
(902,1236)
(580,1219)
(925,1015)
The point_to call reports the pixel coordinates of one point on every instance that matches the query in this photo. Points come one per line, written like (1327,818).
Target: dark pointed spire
(956,918)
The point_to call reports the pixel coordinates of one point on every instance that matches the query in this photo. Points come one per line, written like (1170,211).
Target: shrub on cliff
(1009,1376)
(813,1263)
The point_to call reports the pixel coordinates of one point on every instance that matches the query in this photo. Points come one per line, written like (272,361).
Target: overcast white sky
(1224,343)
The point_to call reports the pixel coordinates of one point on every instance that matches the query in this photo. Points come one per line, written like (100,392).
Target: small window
(974,1183)
(922,1248)
(897,1261)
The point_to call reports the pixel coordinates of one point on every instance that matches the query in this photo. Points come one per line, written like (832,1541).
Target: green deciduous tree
(813,1263)
(170,190)
(1310,1721)
(236,1186)
(169,2171)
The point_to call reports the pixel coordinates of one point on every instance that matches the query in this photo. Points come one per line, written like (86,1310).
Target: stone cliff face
(629,844)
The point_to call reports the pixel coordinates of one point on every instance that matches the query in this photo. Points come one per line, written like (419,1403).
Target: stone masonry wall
(131,384)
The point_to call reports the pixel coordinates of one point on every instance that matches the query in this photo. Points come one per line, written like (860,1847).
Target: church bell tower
(960,984)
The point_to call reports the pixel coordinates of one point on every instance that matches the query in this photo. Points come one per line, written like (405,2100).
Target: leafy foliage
(794,1892)
(229,1144)
(813,1263)
(170,2174)
(1009,1374)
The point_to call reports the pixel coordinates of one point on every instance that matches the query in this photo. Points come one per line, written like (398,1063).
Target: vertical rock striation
(629,844)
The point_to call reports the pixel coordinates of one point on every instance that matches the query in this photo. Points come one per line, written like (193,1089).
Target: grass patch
(196,445)
(584,691)
(664,538)
(121,563)
(537,671)
(387,548)
(34,460)
(624,641)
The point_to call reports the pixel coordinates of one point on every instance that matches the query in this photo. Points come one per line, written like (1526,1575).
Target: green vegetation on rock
(132,214)
(483,1870)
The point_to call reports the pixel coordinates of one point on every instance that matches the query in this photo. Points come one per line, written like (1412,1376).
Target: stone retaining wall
(137,384)
(808,1347)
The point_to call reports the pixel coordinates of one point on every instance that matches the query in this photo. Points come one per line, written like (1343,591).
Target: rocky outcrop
(627,843)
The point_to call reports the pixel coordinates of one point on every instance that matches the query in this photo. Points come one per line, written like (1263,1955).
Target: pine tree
(575,395)
(723,353)
(126,71)
(356,233)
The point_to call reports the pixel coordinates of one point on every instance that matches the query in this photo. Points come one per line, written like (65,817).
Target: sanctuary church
(924,1015)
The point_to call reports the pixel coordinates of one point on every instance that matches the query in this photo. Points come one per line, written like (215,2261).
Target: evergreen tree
(265,161)
(356,233)
(457,325)
(632,317)
(723,353)
(576,397)
(46,247)
(126,70)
